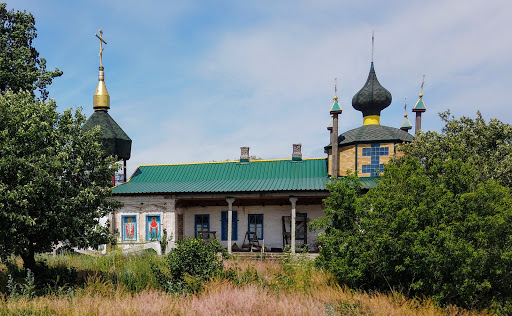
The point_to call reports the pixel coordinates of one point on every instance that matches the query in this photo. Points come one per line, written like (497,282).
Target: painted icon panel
(153,229)
(129,228)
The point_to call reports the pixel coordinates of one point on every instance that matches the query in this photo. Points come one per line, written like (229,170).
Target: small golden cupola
(101,98)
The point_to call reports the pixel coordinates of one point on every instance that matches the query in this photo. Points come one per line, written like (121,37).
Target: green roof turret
(335,108)
(329,126)
(420,105)
(406,124)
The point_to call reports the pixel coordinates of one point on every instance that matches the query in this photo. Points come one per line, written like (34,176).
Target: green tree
(21,68)
(484,145)
(437,224)
(54,183)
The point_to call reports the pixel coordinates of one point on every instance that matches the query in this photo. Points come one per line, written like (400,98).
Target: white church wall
(141,207)
(272,222)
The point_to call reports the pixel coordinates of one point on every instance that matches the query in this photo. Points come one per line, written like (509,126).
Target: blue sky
(193,81)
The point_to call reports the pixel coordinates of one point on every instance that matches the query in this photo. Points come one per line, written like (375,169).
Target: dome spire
(333,128)
(419,108)
(101,98)
(335,108)
(372,98)
(406,124)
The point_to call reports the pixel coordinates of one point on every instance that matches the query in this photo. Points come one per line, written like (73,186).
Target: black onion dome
(373,97)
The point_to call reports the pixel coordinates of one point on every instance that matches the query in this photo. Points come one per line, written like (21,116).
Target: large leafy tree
(54,180)
(21,68)
(437,224)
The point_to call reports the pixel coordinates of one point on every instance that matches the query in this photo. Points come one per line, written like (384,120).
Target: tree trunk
(29,260)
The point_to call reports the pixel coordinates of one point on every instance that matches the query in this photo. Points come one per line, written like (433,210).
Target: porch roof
(231,176)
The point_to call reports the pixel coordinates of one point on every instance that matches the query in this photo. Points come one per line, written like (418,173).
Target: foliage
(189,265)
(163,241)
(486,146)
(54,183)
(21,68)
(25,289)
(438,223)
(339,224)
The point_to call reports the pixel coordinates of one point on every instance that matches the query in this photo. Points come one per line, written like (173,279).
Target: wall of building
(362,160)
(348,158)
(142,206)
(272,222)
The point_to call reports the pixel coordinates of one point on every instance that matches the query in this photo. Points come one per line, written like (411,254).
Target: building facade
(261,204)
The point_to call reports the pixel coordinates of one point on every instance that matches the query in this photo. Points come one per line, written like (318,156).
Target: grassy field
(118,285)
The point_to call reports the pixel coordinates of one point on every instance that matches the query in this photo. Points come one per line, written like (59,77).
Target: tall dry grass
(252,287)
(225,298)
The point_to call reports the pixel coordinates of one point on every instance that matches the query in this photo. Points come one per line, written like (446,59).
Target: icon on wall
(129,228)
(153,227)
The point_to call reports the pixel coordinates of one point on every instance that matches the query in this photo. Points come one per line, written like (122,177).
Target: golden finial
(422,83)
(101,47)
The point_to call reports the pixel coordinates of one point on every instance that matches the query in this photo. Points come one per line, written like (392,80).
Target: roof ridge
(220,162)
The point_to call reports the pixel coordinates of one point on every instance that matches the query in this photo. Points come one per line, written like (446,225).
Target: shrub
(188,266)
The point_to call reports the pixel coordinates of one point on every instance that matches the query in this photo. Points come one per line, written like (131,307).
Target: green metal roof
(419,106)
(254,176)
(368,182)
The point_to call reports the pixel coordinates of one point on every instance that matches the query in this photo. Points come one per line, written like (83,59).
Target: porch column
(293,200)
(171,224)
(230,201)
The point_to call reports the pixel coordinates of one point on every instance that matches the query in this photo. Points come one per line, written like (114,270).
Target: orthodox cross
(335,87)
(405,106)
(422,83)
(101,47)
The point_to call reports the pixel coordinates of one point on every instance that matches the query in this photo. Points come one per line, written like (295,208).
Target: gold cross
(101,47)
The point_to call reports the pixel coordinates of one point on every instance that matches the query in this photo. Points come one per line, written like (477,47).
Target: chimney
(244,154)
(297,154)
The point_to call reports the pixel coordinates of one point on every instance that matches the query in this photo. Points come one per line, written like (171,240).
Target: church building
(249,205)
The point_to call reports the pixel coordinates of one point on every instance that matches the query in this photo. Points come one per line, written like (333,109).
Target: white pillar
(230,221)
(171,225)
(293,200)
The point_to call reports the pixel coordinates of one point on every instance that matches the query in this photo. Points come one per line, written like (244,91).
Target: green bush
(188,266)
(437,224)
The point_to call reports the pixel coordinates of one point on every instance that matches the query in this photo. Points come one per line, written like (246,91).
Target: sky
(193,81)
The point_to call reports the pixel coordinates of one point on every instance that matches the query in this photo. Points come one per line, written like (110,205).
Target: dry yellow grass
(224,298)
(265,296)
